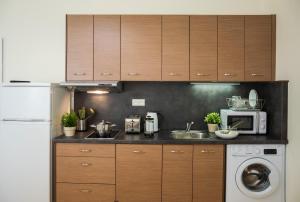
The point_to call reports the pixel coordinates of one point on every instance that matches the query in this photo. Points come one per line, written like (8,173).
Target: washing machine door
(257,178)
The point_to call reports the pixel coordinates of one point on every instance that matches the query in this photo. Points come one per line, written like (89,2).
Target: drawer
(85,170)
(98,150)
(66,192)
(177,152)
(138,152)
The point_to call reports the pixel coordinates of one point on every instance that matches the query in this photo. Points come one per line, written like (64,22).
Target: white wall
(288,67)
(34,43)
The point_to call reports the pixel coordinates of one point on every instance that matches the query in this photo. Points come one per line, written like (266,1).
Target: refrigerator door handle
(24,120)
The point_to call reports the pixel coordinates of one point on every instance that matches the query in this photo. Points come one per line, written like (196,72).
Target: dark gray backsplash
(178,103)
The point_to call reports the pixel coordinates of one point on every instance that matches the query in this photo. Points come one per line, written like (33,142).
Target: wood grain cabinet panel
(203,48)
(231,48)
(107,46)
(175,48)
(177,178)
(208,173)
(79,47)
(85,170)
(66,192)
(138,173)
(141,48)
(258,48)
(91,150)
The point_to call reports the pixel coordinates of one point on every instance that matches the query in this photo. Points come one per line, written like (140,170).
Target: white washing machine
(255,173)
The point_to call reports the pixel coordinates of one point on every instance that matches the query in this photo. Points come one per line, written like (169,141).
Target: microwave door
(243,123)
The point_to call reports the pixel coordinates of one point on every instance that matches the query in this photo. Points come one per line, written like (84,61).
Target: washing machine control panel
(255,150)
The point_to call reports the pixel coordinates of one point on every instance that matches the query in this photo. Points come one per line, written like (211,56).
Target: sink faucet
(188,126)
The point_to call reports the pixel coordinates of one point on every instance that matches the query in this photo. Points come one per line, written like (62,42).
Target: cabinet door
(79,47)
(177,180)
(141,48)
(258,47)
(107,47)
(67,192)
(204,48)
(231,48)
(138,173)
(175,48)
(208,173)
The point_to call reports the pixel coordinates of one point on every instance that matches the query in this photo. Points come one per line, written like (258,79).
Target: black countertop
(164,137)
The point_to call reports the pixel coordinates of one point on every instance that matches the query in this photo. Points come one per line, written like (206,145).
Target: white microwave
(248,122)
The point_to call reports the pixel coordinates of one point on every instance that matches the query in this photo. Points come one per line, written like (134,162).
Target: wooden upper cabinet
(175,48)
(203,48)
(79,47)
(138,173)
(107,47)
(141,48)
(177,177)
(208,173)
(258,47)
(231,48)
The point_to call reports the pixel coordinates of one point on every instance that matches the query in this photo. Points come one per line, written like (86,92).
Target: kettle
(154,116)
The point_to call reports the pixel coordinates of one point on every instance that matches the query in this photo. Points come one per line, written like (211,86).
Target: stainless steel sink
(192,134)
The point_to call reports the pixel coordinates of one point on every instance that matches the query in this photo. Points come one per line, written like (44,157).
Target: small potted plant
(69,122)
(81,123)
(212,119)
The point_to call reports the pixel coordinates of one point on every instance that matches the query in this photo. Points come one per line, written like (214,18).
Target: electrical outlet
(138,102)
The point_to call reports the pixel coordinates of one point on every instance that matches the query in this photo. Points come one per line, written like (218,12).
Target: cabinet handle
(177,151)
(85,190)
(173,74)
(200,74)
(106,74)
(133,74)
(85,164)
(207,151)
(79,74)
(228,74)
(137,151)
(85,150)
(257,74)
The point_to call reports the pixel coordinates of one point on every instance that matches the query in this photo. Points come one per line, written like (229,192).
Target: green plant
(69,119)
(81,113)
(212,118)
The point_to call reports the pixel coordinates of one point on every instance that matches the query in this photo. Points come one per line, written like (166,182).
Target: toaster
(133,124)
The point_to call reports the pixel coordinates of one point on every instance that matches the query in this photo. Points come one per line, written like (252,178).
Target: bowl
(226,134)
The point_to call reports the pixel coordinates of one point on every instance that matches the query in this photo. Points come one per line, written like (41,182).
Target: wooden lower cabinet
(208,173)
(177,174)
(66,192)
(138,173)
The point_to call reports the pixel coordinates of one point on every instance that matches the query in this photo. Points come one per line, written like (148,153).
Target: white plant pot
(212,127)
(69,131)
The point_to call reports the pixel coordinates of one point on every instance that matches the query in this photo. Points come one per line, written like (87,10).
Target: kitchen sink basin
(192,134)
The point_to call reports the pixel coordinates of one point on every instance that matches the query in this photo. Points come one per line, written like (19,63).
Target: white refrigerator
(29,118)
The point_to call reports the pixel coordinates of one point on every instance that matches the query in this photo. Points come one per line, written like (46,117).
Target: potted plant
(81,123)
(69,122)
(212,119)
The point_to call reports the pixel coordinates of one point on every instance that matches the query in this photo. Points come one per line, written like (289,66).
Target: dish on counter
(226,134)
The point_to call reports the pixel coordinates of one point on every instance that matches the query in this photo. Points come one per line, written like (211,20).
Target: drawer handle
(85,164)
(85,150)
(228,74)
(257,74)
(199,74)
(177,151)
(133,74)
(79,74)
(106,74)
(85,190)
(173,74)
(137,151)
(207,151)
